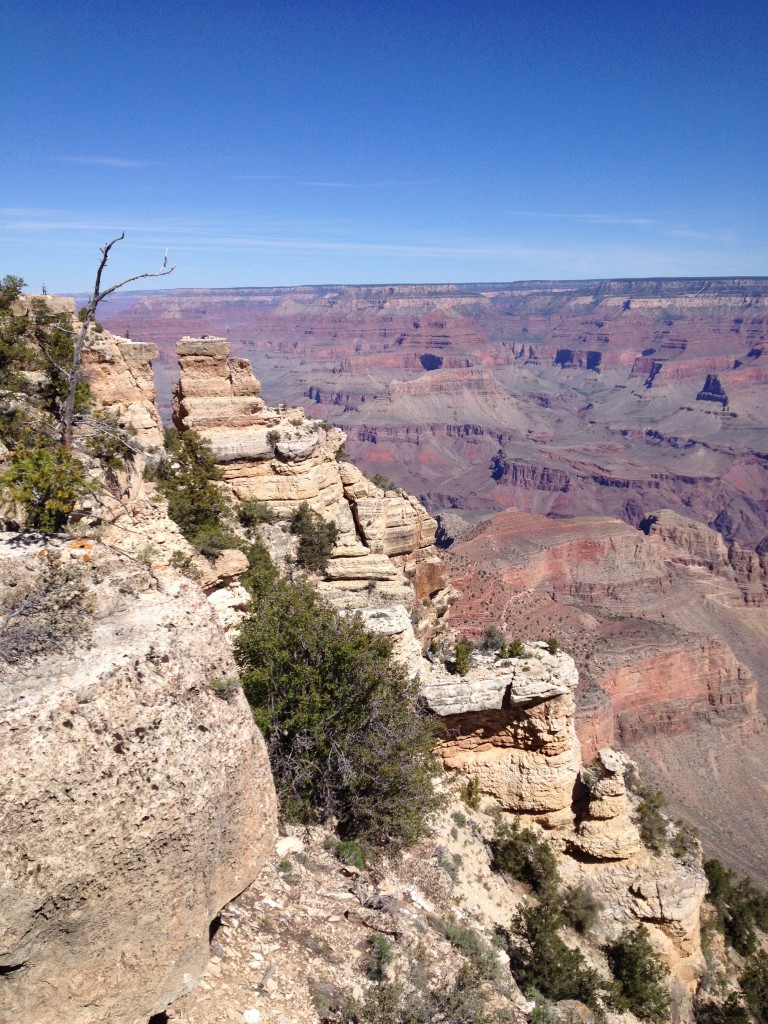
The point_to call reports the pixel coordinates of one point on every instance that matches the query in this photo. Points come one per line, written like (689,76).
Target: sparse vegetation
(579,907)
(481,956)
(47,481)
(48,613)
(380,957)
(650,821)
(553,645)
(754,985)
(470,793)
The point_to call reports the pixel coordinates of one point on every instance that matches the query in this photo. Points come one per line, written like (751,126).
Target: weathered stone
(136,803)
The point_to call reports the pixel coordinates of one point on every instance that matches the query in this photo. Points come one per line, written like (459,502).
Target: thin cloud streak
(585,218)
(106,161)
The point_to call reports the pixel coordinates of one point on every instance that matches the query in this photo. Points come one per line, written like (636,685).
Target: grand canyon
(595,452)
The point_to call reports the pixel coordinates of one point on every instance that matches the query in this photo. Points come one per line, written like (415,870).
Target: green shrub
(344,726)
(316,538)
(516,649)
(461,655)
(186,478)
(47,482)
(482,959)
(650,821)
(552,645)
(739,904)
(347,851)
(380,958)
(523,855)
(540,959)
(470,793)
(493,640)
(639,976)
(579,907)
(754,985)
(729,1012)
(685,844)
(254,513)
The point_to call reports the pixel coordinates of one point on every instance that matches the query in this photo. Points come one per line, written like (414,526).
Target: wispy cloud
(106,161)
(585,218)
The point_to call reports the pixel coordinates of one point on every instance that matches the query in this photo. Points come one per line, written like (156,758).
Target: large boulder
(137,798)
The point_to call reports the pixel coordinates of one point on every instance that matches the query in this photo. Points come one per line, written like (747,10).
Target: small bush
(482,959)
(650,821)
(541,961)
(739,904)
(316,538)
(516,649)
(493,640)
(286,867)
(523,855)
(685,844)
(47,614)
(380,958)
(639,975)
(47,482)
(185,563)
(254,513)
(470,793)
(579,907)
(552,645)
(460,665)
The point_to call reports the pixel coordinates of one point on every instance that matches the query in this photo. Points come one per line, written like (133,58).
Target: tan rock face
(606,831)
(512,729)
(136,803)
(120,376)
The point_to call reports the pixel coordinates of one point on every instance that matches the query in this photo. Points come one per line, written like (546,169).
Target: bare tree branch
(68,414)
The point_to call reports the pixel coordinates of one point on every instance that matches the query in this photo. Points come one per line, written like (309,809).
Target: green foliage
(552,645)
(650,821)
(470,793)
(541,960)
(754,986)
(185,563)
(740,906)
(107,441)
(523,855)
(379,480)
(515,649)
(460,665)
(347,851)
(225,688)
(639,975)
(380,957)
(285,866)
(685,844)
(186,479)
(341,454)
(254,513)
(46,614)
(15,353)
(579,907)
(47,482)
(316,538)
(481,957)
(729,1012)
(493,640)
(346,734)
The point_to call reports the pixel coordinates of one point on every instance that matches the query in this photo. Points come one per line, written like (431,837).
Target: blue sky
(279,143)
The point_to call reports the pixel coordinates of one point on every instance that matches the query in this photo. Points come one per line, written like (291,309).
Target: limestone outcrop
(384,552)
(136,801)
(510,725)
(606,831)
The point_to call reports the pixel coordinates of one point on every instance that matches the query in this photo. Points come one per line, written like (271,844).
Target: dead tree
(89,317)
